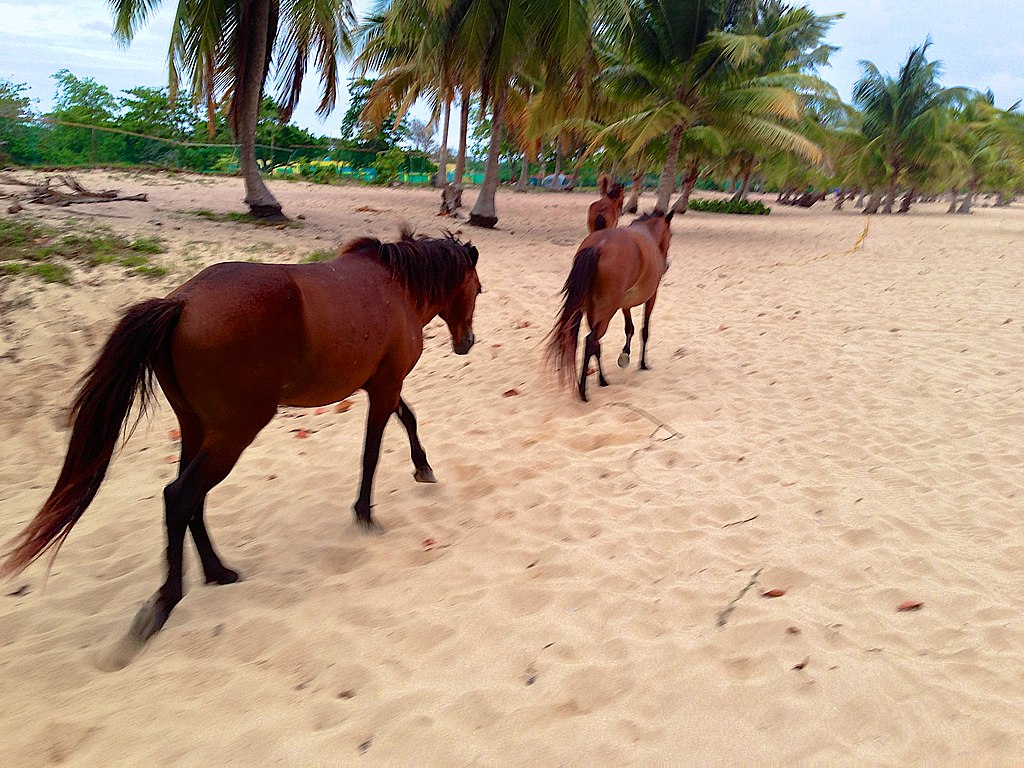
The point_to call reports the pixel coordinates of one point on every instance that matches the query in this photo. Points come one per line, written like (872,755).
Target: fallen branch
(72,194)
(723,617)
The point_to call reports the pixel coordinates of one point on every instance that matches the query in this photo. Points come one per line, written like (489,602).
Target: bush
(388,165)
(754,207)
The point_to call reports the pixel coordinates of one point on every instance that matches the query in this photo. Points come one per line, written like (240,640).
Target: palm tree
(678,66)
(504,41)
(225,50)
(903,117)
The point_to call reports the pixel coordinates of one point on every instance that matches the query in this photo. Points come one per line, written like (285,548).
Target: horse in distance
(613,269)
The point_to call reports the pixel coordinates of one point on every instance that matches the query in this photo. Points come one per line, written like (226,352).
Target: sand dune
(834,409)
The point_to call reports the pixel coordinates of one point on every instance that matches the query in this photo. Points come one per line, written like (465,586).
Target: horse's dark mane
(615,191)
(647,217)
(430,268)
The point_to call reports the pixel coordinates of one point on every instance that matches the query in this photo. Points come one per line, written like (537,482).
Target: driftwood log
(66,191)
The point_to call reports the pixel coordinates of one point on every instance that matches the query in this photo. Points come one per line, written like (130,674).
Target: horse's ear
(668,217)
(474,255)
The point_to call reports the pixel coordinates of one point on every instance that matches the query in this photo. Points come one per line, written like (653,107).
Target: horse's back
(628,269)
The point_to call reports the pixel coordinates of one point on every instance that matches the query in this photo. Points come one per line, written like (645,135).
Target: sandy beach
(835,410)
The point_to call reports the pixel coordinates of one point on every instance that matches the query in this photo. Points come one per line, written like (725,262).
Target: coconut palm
(680,66)
(903,116)
(224,51)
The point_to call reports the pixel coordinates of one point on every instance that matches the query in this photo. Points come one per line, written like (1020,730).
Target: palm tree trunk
(965,206)
(839,200)
(245,111)
(559,153)
(441,180)
(873,202)
(860,199)
(485,213)
(906,201)
(746,172)
(667,182)
(890,197)
(460,160)
(954,193)
(524,174)
(451,197)
(683,201)
(634,192)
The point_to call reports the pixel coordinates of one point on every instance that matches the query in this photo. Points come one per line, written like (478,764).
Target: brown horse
(613,269)
(232,344)
(605,213)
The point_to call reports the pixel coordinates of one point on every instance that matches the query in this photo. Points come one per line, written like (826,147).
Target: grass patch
(241,218)
(318,256)
(28,247)
(752,207)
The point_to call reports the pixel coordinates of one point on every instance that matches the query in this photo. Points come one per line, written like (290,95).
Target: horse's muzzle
(463,346)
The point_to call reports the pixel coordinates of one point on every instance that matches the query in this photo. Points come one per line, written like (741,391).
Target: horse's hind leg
(423,474)
(592,348)
(624,356)
(382,404)
(645,334)
(183,499)
(214,571)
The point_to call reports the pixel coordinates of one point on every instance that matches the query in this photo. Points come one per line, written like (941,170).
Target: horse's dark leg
(214,571)
(624,356)
(645,334)
(589,345)
(381,407)
(423,474)
(182,499)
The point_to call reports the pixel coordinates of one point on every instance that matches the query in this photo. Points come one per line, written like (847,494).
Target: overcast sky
(981,45)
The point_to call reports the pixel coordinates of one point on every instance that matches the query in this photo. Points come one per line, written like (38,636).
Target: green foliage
(388,165)
(16,135)
(753,207)
(360,134)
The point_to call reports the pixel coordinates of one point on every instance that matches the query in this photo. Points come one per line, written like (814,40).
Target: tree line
(682,89)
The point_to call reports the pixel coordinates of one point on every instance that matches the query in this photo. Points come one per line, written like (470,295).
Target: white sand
(584,586)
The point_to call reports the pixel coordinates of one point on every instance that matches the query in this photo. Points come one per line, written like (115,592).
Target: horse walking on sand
(232,344)
(613,269)
(605,213)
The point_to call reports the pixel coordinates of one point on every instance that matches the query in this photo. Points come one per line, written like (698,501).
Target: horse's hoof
(223,576)
(425,475)
(623,360)
(369,527)
(644,366)
(149,620)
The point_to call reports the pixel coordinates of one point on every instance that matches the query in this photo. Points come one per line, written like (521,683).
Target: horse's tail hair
(599,222)
(563,338)
(99,415)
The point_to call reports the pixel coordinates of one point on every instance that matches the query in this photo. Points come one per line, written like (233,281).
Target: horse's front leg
(423,474)
(382,405)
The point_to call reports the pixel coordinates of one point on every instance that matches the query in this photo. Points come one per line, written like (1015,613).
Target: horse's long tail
(99,415)
(562,339)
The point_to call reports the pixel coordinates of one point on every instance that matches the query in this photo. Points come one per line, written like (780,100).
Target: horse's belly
(638,294)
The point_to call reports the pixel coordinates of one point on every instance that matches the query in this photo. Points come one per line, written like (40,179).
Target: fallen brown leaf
(510,392)
(802,664)
(343,406)
(773,593)
(909,605)
(301,434)
(321,411)
(174,434)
